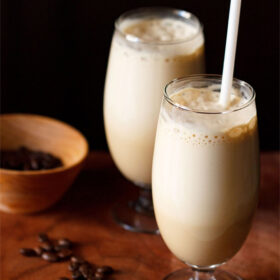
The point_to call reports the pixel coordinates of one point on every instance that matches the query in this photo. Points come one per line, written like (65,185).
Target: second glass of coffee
(150,47)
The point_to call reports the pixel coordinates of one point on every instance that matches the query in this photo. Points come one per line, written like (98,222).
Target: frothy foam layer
(203,128)
(159,30)
(206,100)
(230,135)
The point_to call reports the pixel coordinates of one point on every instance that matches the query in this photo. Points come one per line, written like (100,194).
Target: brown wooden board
(83,215)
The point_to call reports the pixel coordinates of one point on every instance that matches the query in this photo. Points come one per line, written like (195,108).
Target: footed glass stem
(195,274)
(137,215)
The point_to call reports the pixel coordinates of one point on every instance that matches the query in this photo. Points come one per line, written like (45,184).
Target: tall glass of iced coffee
(205,173)
(150,47)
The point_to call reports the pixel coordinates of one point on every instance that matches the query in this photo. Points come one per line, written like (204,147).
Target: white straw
(233,22)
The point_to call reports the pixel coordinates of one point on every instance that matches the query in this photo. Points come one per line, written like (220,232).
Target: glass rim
(209,77)
(146,10)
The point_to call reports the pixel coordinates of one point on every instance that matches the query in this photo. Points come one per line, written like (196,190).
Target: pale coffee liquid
(136,76)
(205,177)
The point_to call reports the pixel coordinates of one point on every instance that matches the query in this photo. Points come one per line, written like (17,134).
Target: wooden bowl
(32,191)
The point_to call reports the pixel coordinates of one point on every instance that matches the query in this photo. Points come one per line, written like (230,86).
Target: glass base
(136,217)
(189,274)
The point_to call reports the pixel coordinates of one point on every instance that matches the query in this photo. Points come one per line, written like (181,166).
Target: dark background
(54,57)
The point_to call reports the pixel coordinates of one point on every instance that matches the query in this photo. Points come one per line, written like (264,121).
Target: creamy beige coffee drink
(205,171)
(149,48)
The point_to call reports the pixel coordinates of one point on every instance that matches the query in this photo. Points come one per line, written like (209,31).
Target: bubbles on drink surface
(205,122)
(160,30)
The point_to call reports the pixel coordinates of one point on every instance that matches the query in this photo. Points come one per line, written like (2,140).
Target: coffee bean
(64,254)
(99,275)
(58,248)
(90,269)
(43,237)
(50,257)
(34,164)
(105,269)
(64,242)
(77,275)
(27,166)
(47,246)
(73,266)
(83,268)
(90,274)
(28,252)
(39,250)
(76,259)
(86,270)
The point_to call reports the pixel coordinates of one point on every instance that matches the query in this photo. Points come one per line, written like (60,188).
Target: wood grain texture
(31,191)
(83,215)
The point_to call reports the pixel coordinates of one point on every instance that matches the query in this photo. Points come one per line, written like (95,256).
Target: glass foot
(132,216)
(189,274)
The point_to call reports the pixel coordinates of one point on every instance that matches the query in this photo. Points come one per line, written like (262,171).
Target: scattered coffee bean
(76,259)
(77,275)
(64,243)
(90,275)
(105,269)
(47,246)
(98,275)
(43,237)
(83,267)
(50,257)
(73,266)
(58,250)
(86,270)
(28,252)
(64,254)
(39,251)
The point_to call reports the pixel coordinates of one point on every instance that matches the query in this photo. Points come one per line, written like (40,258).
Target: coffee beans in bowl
(26,159)
(41,157)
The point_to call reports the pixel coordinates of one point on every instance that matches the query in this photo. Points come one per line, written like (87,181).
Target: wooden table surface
(83,215)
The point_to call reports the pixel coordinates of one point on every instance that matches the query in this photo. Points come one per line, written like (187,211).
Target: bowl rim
(46,171)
